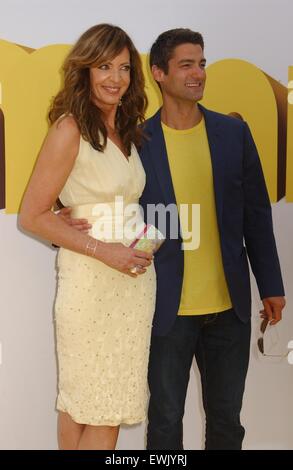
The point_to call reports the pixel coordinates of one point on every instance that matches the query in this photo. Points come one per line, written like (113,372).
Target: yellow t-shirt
(204,285)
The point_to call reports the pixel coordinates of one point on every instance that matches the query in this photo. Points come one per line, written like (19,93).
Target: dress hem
(128,421)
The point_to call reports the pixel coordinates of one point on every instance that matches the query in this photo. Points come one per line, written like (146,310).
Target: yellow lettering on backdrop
(30,78)
(2,159)
(236,86)
(152,89)
(289,179)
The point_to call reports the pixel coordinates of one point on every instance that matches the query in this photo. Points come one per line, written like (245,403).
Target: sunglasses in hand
(260,341)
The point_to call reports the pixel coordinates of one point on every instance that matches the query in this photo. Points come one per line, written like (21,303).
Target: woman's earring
(120,102)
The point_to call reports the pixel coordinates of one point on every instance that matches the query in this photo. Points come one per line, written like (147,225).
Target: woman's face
(110,80)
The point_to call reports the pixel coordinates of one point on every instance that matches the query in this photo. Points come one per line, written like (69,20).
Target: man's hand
(273,307)
(81,225)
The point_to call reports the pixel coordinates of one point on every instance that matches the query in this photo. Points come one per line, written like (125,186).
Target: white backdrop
(260,31)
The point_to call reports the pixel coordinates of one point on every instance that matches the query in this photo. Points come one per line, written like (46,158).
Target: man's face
(186,76)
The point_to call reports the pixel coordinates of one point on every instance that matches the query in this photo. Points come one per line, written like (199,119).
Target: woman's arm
(54,164)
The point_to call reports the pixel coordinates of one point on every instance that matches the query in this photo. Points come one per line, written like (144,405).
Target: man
(196,156)
(203,303)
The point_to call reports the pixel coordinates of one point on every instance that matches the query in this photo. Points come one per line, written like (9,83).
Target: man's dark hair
(163,48)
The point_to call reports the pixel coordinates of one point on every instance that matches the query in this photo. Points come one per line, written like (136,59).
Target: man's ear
(158,73)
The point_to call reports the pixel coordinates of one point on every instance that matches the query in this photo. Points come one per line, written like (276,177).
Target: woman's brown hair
(98,44)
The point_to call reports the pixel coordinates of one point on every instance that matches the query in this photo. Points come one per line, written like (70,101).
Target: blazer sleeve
(258,225)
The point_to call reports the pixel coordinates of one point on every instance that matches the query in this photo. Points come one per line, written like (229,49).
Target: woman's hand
(125,259)
(116,255)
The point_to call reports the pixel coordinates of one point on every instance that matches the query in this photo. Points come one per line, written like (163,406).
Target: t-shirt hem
(206,311)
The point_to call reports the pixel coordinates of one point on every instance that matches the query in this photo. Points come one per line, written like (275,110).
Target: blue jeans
(220,343)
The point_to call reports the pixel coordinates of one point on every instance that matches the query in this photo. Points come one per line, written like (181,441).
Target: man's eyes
(202,65)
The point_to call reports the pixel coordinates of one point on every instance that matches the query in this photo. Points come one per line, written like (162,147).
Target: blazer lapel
(158,153)
(217,157)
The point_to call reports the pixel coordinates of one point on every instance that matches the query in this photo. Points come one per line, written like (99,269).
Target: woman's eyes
(107,67)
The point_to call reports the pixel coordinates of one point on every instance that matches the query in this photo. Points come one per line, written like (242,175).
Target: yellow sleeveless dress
(103,317)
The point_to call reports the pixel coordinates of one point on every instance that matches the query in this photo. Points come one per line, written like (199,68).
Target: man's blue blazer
(243,214)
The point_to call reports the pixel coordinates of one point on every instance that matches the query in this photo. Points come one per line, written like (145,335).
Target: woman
(104,305)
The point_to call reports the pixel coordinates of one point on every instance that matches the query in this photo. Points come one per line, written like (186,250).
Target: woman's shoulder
(64,136)
(66,123)
(66,128)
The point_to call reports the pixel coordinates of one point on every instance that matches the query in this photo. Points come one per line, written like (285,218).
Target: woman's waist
(111,221)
